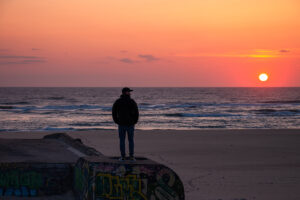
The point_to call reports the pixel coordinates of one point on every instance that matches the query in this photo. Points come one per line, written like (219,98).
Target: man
(125,113)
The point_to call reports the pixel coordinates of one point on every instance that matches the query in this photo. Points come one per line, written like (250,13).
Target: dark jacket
(125,111)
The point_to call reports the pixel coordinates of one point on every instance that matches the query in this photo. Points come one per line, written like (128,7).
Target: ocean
(44,109)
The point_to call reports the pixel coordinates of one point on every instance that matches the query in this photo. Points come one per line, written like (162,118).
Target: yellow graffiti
(115,187)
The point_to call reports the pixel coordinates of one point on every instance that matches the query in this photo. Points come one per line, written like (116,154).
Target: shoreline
(146,129)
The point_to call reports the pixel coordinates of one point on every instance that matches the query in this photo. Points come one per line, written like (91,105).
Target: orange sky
(149,43)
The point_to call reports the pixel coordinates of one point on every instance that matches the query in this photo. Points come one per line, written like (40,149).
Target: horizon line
(149,86)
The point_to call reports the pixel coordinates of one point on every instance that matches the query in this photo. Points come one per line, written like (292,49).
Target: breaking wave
(284,102)
(274,112)
(57,107)
(199,115)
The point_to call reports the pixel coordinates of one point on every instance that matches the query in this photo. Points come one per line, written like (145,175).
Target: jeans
(122,136)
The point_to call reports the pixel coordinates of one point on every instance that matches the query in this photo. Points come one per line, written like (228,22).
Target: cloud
(35,49)
(260,56)
(284,51)
(127,60)
(34,61)
(148,57)
(124,51)
(4,49)
(257,53)
(143,58)
(20,60)
(19,57)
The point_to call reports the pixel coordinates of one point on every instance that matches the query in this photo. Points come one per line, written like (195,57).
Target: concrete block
(100,177)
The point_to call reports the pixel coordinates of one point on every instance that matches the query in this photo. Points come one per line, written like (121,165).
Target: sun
(263,77)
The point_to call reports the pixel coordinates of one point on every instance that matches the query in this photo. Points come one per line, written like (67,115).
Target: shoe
(122,158)
(131,158)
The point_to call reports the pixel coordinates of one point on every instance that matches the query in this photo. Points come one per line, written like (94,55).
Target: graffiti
(145,170)
(35,180)
(115,187)
(114,180)
(105,168)
(20,184)
(78,179)
(83,180)
(166,180)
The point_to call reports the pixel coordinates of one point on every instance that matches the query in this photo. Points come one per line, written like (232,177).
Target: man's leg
(122,136)
(130,132)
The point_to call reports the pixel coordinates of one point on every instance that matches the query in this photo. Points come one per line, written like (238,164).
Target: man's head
(126,90)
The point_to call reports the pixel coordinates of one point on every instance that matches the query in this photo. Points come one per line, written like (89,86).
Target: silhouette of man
(125,113)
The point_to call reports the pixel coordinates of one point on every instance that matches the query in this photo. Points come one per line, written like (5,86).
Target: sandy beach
(213,164)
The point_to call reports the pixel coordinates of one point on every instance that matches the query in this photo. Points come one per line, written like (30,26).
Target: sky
(149,43)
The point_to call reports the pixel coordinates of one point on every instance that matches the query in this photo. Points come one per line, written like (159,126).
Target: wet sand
(213,164)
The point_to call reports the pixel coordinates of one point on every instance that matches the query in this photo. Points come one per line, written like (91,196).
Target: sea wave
(275,112)
(8,130)
(6,107)
(70,107)
(15,103)
(144,106)
(57,107)
(89,123)
(199,115)
(48,128)
(56,98)
(284,102)
(72,129)
(172,106)
(210,126)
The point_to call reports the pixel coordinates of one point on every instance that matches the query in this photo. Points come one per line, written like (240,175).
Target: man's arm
(136,112)
(115,113)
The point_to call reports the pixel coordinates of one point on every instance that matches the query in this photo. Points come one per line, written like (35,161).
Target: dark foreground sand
(214,164)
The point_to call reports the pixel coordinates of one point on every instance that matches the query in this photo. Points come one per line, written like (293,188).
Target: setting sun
(263,77)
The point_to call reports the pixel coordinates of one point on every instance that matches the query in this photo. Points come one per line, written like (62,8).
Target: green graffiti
(17,179)
(78,179)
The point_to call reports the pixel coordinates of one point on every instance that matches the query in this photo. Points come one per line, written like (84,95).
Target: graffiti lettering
(35,181)
(20,184)
(115,187)
(118,181)
(15,179)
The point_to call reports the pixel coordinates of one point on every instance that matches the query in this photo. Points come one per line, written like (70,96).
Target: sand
(213,164)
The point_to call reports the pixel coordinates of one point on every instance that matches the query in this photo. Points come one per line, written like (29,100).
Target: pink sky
(141,43)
